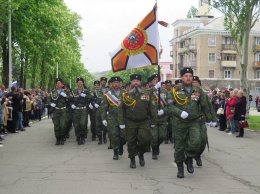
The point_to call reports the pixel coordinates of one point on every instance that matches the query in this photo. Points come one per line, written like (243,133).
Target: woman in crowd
(240,110)
(27,106)
(222,117)
(230,103)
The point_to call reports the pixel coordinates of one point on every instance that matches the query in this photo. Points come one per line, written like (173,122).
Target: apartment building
(203,44)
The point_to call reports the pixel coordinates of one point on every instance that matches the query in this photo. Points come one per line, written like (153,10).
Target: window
(227,74)
(212,57)
(257,41)
(229,57)
(212,41)
(257,57)
(257,74)
(211,74)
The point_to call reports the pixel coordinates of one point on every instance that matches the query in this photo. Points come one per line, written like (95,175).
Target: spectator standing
(250,99)
(240,110)
(230,102)
(222,117)
(256,100)
(27,107)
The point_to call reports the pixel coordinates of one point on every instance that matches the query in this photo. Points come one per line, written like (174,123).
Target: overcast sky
(105,23)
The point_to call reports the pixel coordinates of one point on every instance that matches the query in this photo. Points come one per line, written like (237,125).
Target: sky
(105,23)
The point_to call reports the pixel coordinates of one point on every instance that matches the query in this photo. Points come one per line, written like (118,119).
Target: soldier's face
(163,86)
(116,85)
(96,86)
(187,79)
(59,85)
(154,81)
(169,86)
(103,83)
(195,83)
(135,82)
(80,84)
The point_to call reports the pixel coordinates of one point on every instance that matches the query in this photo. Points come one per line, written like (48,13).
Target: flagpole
(159,74)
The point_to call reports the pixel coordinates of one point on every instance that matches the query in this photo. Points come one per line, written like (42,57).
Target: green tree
(240,18)
(192,12)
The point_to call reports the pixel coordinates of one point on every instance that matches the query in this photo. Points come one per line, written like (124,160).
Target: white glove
(158,85)
(83,95)
(213,124)
(152,126)
(160,112)
(90,106)
(53,105)
(73,106)
(96,105)
(184,114)
(208,124)
(63,94)
(122,126)
(104,123)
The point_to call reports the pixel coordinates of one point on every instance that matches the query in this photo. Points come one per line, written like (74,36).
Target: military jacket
(80,101)
(58,99)
(110,104)
(99,95)
(194,103)
(138,108)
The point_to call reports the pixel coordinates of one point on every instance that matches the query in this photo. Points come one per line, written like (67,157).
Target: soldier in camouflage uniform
(110,103)
(59,100)
(168,85)
(158,132)
(99,92)
(81,98)
(203,129)
(137,113)
(188,103)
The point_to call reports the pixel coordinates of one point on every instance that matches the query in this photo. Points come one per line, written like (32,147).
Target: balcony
(191,64)
(256,48)
(229,47)
(180,50)
(228,64)
(256,65)
(192,48)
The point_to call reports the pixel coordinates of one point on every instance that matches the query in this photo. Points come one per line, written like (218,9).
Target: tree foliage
(192,12)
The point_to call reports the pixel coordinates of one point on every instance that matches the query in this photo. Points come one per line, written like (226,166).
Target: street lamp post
(10,44)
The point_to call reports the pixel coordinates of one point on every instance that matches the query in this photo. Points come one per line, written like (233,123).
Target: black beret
(97,82)
(168,82)
(103,78)
(58,79)
(196,78)
(155,76)
(80,79)
(186,70)
(178,81)
(135,76)
(113,79)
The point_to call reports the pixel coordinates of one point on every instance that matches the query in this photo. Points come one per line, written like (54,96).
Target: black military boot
(158,150)
(115,157)
(99,140)
(132,163)
(198,160)
(189,163)
(105,137)
(62,140)
(82,139)
(180,173)
(154,155)
(110,146)
(141,159)
(57,141)
(121,150)
(79,140)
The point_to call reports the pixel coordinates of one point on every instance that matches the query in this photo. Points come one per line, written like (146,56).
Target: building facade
(203,44)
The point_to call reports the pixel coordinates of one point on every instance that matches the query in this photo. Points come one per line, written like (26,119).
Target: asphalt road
(30,163)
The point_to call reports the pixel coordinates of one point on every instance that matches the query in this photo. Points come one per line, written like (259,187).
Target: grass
(254,122)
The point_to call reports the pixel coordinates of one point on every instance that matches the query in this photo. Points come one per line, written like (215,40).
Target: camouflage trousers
(187,140)
(60,120)
(204,138)
(80,121)
(137,136)
(158,133)
(117,135)
(99,126)
(92,115)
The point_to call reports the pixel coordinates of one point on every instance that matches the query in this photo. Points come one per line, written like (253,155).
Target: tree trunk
(42,83)
(5,72)
(22,71)
(34,71)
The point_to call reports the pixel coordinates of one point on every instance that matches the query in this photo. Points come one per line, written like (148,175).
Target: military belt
(60,108)
(83,107)
(191,120)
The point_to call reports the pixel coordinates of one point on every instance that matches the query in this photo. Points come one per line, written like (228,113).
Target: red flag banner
(165,24)
(140,47)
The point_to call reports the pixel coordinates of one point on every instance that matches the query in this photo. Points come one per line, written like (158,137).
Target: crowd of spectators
(20,107)
(234,103)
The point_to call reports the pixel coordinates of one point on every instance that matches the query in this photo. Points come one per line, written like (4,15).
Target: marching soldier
(69,123)
(203,129)
(188,103)
(110,103)
(168,86)
(59,100)
(79,106)
(137,113)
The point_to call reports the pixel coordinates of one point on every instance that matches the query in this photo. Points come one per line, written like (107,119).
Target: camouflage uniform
(187,131)
(137,113)
(110,114)
(60,113)
(169,134)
